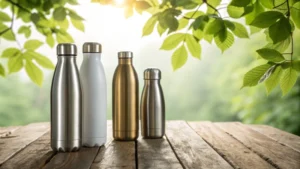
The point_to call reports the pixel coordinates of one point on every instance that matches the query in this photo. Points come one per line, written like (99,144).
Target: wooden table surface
(186,145)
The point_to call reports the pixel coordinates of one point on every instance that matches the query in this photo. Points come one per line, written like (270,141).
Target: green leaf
(238,29)
(24,15)
(257,9)
(182,23)
(160,29)
(50,40)
(200,22)
(240,3)
(172,41)
(179,57)
(64,37)
(149,25)
(280,46)
(73,2)
(74,15)
(35,73)
(288,80)
(295,13)
(267,3)
(208,37)
(266,19)
(64,24)
(15,64)
(280,31)
(4,4)
(193,46)
(34,17)
(3,27)
(78,24)
(172,23)
(59,13)
(25,30)
(224,40)
(252,77)
(213,3)
(33,44)
(296,65)
(214,27)
(198,34)
(10,52)
(4,17)
(270,55)
(40,59)
(141,5)
(235,11)
(273,80)
(193,14)
(2,71)
(9,35)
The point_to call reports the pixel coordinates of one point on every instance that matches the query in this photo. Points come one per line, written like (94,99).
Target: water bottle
(66,99)
(152,105)
(93,82)
(125,99)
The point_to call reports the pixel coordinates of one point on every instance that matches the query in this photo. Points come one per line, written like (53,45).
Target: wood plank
(7,131)
(276,154)
(232,150)
(21,138)
(156,153)
(82,159)
(191,149)
(115,154)
(280,136)
(34,156)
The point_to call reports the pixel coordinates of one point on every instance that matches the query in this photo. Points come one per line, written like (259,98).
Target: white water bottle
(94,101)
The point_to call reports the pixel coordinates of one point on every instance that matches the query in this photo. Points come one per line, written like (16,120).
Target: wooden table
(186,145)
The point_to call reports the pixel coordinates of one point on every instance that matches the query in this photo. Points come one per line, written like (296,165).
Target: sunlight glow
(119,2)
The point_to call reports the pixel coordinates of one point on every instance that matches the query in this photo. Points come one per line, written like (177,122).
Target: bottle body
(125,101)
(93,82)
(152,107)
(66,99)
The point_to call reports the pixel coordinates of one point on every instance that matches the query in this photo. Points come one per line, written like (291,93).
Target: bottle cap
(125,55)
(66,49)
(92,47)
(152,74)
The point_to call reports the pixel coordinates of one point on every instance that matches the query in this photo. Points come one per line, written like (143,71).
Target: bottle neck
(125,61)
(151,81)
(66,58)
(95,56)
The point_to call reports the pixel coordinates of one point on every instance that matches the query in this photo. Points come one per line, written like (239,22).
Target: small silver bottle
(66,98)
(152,105)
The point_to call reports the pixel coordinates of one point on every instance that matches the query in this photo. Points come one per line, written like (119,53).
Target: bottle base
(65,145)
(94,141)
(153,133)
(125,135)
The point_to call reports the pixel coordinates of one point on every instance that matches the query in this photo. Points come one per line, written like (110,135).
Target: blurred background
(207,90)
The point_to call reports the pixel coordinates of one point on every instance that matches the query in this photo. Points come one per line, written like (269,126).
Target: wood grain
(280,136)
(115,154)
(276,154)
(232,150)
(192,150)
(34,156)
(82,159)
(20,138)
(156,153)
(7,131)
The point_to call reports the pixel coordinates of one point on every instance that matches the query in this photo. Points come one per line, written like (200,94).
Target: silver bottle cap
(66,49)
(152,74)
(125,55)
(92,47)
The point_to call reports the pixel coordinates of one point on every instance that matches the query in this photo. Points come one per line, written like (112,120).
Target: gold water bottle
(125,99)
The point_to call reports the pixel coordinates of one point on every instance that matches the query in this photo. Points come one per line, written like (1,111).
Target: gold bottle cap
(125,55)
(66,49)
(152,74)
(92,47)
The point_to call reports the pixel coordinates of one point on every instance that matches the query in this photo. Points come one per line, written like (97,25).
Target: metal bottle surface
(152,105)
(125,99)
(94,102)
(66,98)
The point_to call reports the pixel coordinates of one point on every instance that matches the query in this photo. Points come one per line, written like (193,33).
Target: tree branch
(209,5)
(12,22)
(19,6)
(278,5)
(292,40)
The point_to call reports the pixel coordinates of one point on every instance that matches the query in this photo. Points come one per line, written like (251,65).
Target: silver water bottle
(66,98)
(152,105)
